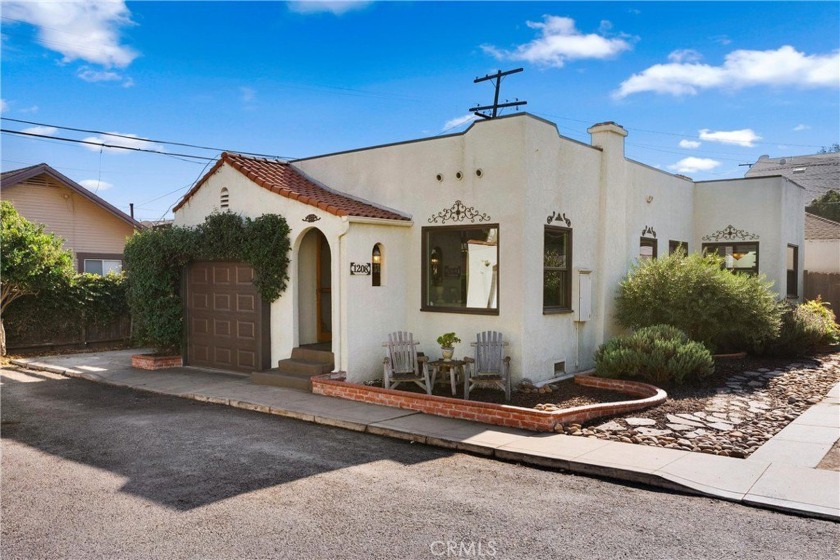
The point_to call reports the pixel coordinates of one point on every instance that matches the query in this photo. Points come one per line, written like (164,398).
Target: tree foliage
(32,260)
(826,206)
(156,259)
(721,309)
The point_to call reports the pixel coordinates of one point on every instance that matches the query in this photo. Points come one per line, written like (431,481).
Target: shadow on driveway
(180,453)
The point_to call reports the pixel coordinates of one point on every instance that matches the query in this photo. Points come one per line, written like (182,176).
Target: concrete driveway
(91,471)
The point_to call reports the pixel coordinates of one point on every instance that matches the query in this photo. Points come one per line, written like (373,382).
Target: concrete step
(277,378)
(311,355)
(293,365)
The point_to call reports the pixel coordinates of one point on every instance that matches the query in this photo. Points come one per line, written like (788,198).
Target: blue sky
(701,87)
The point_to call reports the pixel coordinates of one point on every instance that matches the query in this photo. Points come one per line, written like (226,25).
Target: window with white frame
(103,267)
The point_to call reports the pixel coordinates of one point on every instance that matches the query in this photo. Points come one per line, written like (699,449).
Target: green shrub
(804,328)
(156,259)
(723,310)
(659,354)
(61,312)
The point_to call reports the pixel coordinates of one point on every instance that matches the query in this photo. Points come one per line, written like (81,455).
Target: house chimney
(608,136)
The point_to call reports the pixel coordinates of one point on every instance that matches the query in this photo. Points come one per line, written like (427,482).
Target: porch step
(285,379)
(311,355)
(296,372)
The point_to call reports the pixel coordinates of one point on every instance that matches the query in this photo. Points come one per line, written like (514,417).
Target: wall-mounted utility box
(582,294)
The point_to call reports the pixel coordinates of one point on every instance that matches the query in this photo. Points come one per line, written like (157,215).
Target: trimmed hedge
(156,258)
(725,311)
(658,354)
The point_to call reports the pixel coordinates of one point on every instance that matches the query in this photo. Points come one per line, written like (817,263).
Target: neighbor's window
(103,266)
(792,271)
(738,257)
(461,269)
(674,245)
(557,267)
(647,248)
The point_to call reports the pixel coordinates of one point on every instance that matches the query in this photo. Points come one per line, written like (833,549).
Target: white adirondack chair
(490,366)
(402,364)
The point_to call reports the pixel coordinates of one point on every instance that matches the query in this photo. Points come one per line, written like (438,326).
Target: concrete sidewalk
(780,475)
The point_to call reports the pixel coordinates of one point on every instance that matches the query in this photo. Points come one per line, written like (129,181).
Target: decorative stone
(679,427)
(611,426)
(722,426)
(640,421)
(652,431)
(679,420)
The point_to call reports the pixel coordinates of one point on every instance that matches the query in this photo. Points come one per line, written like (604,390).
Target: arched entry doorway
(314,289)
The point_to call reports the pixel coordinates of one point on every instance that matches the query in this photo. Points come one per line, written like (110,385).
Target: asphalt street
(92,471)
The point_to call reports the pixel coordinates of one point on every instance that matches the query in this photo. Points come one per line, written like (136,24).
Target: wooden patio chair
(402,364)
(490,366)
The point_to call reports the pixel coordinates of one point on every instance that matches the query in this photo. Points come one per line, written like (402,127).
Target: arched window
(224,199)
(376,259)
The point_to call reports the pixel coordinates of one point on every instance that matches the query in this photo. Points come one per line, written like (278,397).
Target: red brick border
(152,362)
(334,385)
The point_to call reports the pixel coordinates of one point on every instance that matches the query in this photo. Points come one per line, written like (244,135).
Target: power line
(98,144)
(135,138)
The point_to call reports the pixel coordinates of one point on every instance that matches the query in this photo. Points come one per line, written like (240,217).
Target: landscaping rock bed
(745,404)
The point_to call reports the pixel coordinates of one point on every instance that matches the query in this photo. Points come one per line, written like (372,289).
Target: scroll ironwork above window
(730,233)
(458,212)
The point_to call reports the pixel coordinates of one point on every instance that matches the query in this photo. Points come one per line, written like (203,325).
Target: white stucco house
(507,226)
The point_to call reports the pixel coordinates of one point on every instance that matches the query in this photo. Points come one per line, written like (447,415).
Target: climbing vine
(156,259)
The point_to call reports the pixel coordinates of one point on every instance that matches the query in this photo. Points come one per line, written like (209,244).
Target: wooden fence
(825,285)
(74,332)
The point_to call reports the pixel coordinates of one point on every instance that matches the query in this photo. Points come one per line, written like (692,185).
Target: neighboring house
(92,229)
(822,244)
(817,173)
(507,226)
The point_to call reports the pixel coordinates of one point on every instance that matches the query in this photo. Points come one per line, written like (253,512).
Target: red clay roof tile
(281,178)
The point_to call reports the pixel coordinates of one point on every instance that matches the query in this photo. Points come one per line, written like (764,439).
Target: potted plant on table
(446,341)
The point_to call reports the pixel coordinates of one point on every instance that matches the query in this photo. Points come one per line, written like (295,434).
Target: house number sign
(359,269)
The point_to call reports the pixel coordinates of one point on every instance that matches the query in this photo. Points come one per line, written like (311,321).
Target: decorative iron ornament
(311,218)
(730,233)
(649,231)
(558,217)
(458,213)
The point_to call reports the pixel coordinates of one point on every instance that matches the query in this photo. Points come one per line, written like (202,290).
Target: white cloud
(42,130)
(684,55)
(89,74)
(693,165)
(458,121)
(801,127)
(784,66)
(3,106)
(327,6)
(559,41)
(94,185)
(33,109)
(745,137)
(86,31)
(133,141)
(689,144)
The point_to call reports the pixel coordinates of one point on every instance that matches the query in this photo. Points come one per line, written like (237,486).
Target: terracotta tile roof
(817,227)
(281,178)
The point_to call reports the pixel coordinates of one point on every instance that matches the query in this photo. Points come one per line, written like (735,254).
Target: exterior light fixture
(377,255)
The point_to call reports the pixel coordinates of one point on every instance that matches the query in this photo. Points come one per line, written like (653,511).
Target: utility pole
(497,77)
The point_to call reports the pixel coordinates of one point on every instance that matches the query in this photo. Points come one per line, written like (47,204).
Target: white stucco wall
(528,173)
(768,207)
(822,255)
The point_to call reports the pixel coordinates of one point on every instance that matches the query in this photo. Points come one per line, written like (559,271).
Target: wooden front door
(324,295)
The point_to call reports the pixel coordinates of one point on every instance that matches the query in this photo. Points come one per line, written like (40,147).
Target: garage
(227,320)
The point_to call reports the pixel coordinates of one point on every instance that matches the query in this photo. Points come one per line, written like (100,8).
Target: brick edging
(332,385)
(152,362)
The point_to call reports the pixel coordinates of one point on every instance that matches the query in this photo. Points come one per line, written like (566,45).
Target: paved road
(90,471)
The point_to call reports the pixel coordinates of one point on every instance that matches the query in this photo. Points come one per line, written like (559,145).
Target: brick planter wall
(333,385)
(152,362)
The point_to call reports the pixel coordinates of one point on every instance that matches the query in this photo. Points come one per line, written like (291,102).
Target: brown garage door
(227,321)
